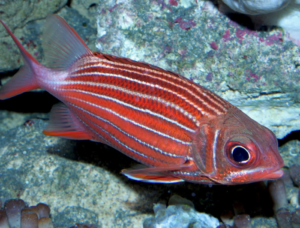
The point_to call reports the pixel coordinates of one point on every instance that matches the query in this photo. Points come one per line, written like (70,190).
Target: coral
(296,218)
(242,221)
(180,213)
(16,214)
(278,193)
(278,189)
(283,218)
(295,174)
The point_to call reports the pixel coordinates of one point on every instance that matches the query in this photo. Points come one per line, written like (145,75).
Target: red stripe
(136,104)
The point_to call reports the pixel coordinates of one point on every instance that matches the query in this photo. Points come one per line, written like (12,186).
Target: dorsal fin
(62,45)
(133,63)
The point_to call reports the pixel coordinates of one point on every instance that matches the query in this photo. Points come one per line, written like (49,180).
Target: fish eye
(240,154)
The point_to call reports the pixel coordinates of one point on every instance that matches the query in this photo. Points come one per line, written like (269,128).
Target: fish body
(180,130)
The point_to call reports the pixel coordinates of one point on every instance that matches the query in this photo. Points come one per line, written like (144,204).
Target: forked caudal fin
(62,47)
(25,79)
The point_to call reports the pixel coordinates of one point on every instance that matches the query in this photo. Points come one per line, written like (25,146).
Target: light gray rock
(180,214)
(39,168)
(253,7)
(256,71)
(23,19)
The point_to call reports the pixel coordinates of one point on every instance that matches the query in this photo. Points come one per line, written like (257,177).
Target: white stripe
(100,136)
(134,94)
(100,64)
(215,150)
(118,141)
(130,120)
(194,173)
(119,129)
(152,181)
(150,85)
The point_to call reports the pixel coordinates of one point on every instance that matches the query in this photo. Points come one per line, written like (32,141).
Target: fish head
(241,151)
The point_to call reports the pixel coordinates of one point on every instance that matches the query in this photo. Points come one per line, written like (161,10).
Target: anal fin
(64,123)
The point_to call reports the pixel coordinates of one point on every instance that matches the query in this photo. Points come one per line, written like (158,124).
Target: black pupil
(240,154)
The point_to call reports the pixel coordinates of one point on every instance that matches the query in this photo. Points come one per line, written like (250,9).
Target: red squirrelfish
(179,130)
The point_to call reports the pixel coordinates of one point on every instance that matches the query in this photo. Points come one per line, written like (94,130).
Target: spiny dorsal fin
(62,45)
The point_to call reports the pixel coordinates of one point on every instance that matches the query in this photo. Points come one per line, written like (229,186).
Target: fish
(176,129)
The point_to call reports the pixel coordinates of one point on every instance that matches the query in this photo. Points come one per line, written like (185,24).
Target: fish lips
(274,175)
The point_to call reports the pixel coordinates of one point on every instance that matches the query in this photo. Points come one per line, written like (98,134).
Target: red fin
(65,124)
(155,179)
(154,174)
(61,44)
(24,80)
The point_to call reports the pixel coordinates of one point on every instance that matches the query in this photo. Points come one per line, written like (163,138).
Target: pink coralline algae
(173,2)
(112,8)
(213,45)
(241,33)
(250,75)
(227,37)
(84,226)
(186,25)
(273,39)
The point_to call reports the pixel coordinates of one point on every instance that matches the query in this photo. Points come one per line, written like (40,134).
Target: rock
(23,18)
(253,7)
(282,13)
(180,216)
(255,71)
(32,169)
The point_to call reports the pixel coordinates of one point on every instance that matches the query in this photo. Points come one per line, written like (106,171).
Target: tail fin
(25,79)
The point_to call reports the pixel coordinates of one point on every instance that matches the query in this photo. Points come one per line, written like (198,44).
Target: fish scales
(146,131)
(198,97)
(180,130)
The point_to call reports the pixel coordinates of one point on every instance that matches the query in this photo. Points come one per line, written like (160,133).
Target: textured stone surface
(26,18)
(253,7)
(80,181)
(281,13)
(75,191)
(257,71)
(23,18)
(181,215)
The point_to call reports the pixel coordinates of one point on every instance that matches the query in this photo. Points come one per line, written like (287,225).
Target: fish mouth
(274,175)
